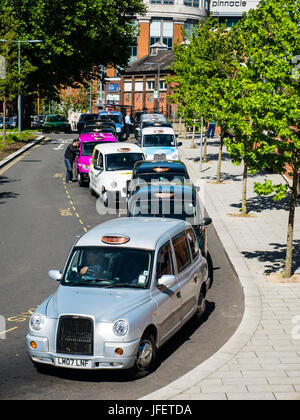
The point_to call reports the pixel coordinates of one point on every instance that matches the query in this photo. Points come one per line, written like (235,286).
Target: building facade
(230,12)
(165,23)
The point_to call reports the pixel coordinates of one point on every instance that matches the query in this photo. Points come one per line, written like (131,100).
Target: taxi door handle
(178,295)
(195,279)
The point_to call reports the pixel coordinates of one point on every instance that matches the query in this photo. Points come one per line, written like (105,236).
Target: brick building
(163,25)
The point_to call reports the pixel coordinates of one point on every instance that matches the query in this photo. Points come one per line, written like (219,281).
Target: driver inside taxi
(92,264)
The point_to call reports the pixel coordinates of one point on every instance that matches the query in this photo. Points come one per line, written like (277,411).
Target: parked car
(154,118)
(111,170)
(55,122)
(127,287)
(83,161)
(37,120)
(159,143)
(117,117)
(83,119)
(13,121)
(155,171)
(174,202)
(7,122)
(108,126)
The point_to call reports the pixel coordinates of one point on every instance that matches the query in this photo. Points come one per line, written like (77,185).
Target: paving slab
(261,361)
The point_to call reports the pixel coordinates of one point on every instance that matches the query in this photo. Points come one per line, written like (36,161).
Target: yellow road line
(9,165)
(11,329)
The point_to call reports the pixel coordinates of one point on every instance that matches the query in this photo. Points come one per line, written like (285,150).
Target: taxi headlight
(118,129)
(37,322)
(85,167)
(114,184)
(120,328)
(175,155)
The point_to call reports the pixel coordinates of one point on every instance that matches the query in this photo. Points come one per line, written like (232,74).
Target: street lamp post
(28,41)
(158,81)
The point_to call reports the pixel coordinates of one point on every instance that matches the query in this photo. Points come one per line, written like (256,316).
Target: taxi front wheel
(146,356)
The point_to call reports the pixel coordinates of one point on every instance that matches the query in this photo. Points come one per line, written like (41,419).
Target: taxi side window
(193,243)
(164,261)
(101,160)
(95,158)
(182,253)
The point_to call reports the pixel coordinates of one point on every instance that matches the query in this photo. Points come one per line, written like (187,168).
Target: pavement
(20,151)
(261,361)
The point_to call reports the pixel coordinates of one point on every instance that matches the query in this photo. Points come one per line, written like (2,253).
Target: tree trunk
(205,149)
(4,120)
(193,137)
(218,180)
(244,190)
(290,231)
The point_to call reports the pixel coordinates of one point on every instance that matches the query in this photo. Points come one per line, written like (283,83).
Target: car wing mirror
(98,168)
(166,280)
(205,221)
(55,275)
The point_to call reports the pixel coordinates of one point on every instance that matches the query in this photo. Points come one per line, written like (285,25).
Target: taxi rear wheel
(146,356)
(201,307)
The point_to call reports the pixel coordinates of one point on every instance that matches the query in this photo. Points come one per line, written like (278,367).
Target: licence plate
(73,363)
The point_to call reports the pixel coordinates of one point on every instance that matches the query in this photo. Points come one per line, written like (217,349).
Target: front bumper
(109,360)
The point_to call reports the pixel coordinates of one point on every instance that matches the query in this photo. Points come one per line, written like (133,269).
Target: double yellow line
(9,165)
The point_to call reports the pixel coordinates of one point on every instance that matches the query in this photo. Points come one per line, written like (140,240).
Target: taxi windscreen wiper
(124,285)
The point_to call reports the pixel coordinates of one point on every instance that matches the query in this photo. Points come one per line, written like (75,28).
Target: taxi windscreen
(175,209)
(156,140)
(87,148)
(109,267)
(162,177)
(121,161)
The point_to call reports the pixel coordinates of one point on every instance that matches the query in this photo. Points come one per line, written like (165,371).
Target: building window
(162,1)
(161,30)
(189,27)
(127,86)
(162,85)
(191,3)
(150,85)
(138,87)
(134,49)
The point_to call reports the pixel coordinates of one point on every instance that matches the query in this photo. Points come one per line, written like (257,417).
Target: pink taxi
(87,143)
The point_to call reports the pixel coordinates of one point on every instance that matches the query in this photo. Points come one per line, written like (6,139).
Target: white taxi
(111,169)
(159,143)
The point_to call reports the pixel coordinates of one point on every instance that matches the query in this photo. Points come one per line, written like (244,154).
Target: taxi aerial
(111,170)
(87,143)
(127,287)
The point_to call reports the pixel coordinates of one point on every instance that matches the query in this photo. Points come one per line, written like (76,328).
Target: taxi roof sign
(115,239)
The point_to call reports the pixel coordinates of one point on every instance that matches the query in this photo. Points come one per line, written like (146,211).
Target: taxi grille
(75,335)
(161,156)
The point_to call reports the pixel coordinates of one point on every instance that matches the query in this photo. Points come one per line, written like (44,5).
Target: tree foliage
(255,93)
(78,36)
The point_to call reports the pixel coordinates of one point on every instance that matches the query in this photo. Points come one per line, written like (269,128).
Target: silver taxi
(128,285)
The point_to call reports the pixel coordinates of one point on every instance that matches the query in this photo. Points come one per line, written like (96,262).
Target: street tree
(202,70)
(78,36)
(12,81)
(270,39)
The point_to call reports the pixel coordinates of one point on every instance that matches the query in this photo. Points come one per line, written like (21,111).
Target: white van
(111,169)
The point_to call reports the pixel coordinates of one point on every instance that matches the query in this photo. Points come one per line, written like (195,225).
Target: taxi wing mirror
(179,143)
(55,275)
(166,280)
(205,221)
(98,168)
